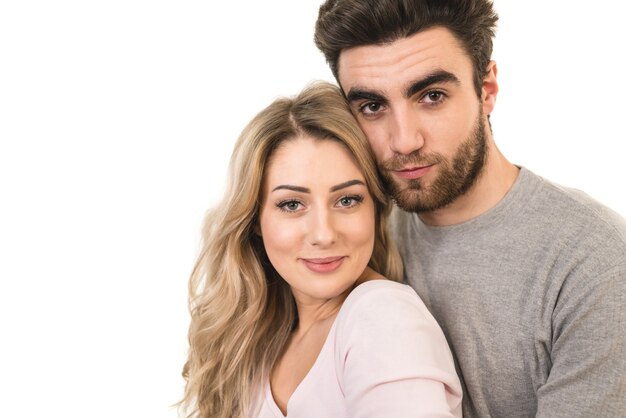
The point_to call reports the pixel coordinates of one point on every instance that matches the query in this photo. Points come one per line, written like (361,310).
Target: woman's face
(317,218)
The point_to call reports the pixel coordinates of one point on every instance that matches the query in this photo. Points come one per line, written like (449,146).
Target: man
(526,278)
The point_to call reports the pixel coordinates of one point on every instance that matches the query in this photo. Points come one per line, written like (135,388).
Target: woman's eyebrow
(293,188)
(346,184)
(307,190)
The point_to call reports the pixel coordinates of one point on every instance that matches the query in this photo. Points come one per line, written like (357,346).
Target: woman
(291,312)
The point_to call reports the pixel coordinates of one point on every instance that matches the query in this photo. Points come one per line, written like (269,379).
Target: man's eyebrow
(293,188)
(439,76)
(346,184)
(356,94)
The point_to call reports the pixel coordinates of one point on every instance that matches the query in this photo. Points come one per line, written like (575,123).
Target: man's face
(416,102)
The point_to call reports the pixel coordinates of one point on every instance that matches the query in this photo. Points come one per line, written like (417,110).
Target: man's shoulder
(573,208)
(536,212)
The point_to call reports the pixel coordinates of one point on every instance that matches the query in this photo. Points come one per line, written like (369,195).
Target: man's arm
(588,373)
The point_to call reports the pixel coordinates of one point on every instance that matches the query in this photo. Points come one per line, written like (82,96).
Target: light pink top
(385,356)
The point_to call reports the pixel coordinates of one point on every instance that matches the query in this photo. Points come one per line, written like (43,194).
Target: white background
(117,119)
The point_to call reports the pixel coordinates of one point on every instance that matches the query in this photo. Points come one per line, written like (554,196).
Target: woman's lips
(323,265)
(413,172)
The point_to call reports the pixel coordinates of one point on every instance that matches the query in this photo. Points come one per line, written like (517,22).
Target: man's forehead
(423,52)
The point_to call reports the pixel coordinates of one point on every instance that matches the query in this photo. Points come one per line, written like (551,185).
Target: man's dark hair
(343,24)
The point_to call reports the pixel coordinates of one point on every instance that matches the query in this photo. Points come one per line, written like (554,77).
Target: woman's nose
(322,231)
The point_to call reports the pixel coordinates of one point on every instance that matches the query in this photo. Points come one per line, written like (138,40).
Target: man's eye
(371,108)
(434,96)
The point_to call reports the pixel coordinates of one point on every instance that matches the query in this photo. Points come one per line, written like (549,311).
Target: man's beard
(455,177)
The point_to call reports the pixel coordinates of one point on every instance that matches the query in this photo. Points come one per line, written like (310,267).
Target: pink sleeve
(393,359)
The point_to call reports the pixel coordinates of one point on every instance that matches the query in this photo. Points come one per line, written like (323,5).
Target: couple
(522,283)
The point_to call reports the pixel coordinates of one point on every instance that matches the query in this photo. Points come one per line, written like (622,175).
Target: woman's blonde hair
(241,310)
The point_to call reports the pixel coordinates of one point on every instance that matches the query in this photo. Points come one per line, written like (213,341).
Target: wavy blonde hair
(242,311)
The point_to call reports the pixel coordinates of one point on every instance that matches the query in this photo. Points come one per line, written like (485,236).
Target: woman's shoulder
(390,350)
(380,290)
(380,284)
(383,300)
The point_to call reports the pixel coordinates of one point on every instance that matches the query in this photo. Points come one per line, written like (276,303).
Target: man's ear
(490,88)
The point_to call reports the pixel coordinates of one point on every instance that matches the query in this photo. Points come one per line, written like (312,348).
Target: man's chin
(419,200)
(411,195)
(409,201)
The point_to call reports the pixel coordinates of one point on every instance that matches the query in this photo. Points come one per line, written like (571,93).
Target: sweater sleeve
(588,354)
(392,357)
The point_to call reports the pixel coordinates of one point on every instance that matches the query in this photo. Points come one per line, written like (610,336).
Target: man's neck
(492,185)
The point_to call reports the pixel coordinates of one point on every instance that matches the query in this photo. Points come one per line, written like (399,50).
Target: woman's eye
(346,201)
(349,201)
(289,205)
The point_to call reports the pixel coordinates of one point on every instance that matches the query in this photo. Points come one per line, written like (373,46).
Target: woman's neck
(317,312)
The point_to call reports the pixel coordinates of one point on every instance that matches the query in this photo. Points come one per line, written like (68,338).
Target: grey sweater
(531,296)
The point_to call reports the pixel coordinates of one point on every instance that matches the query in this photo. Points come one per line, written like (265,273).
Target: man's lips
(413,172)
(323,265)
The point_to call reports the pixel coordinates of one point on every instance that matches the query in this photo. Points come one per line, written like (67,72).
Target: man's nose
(405,131)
